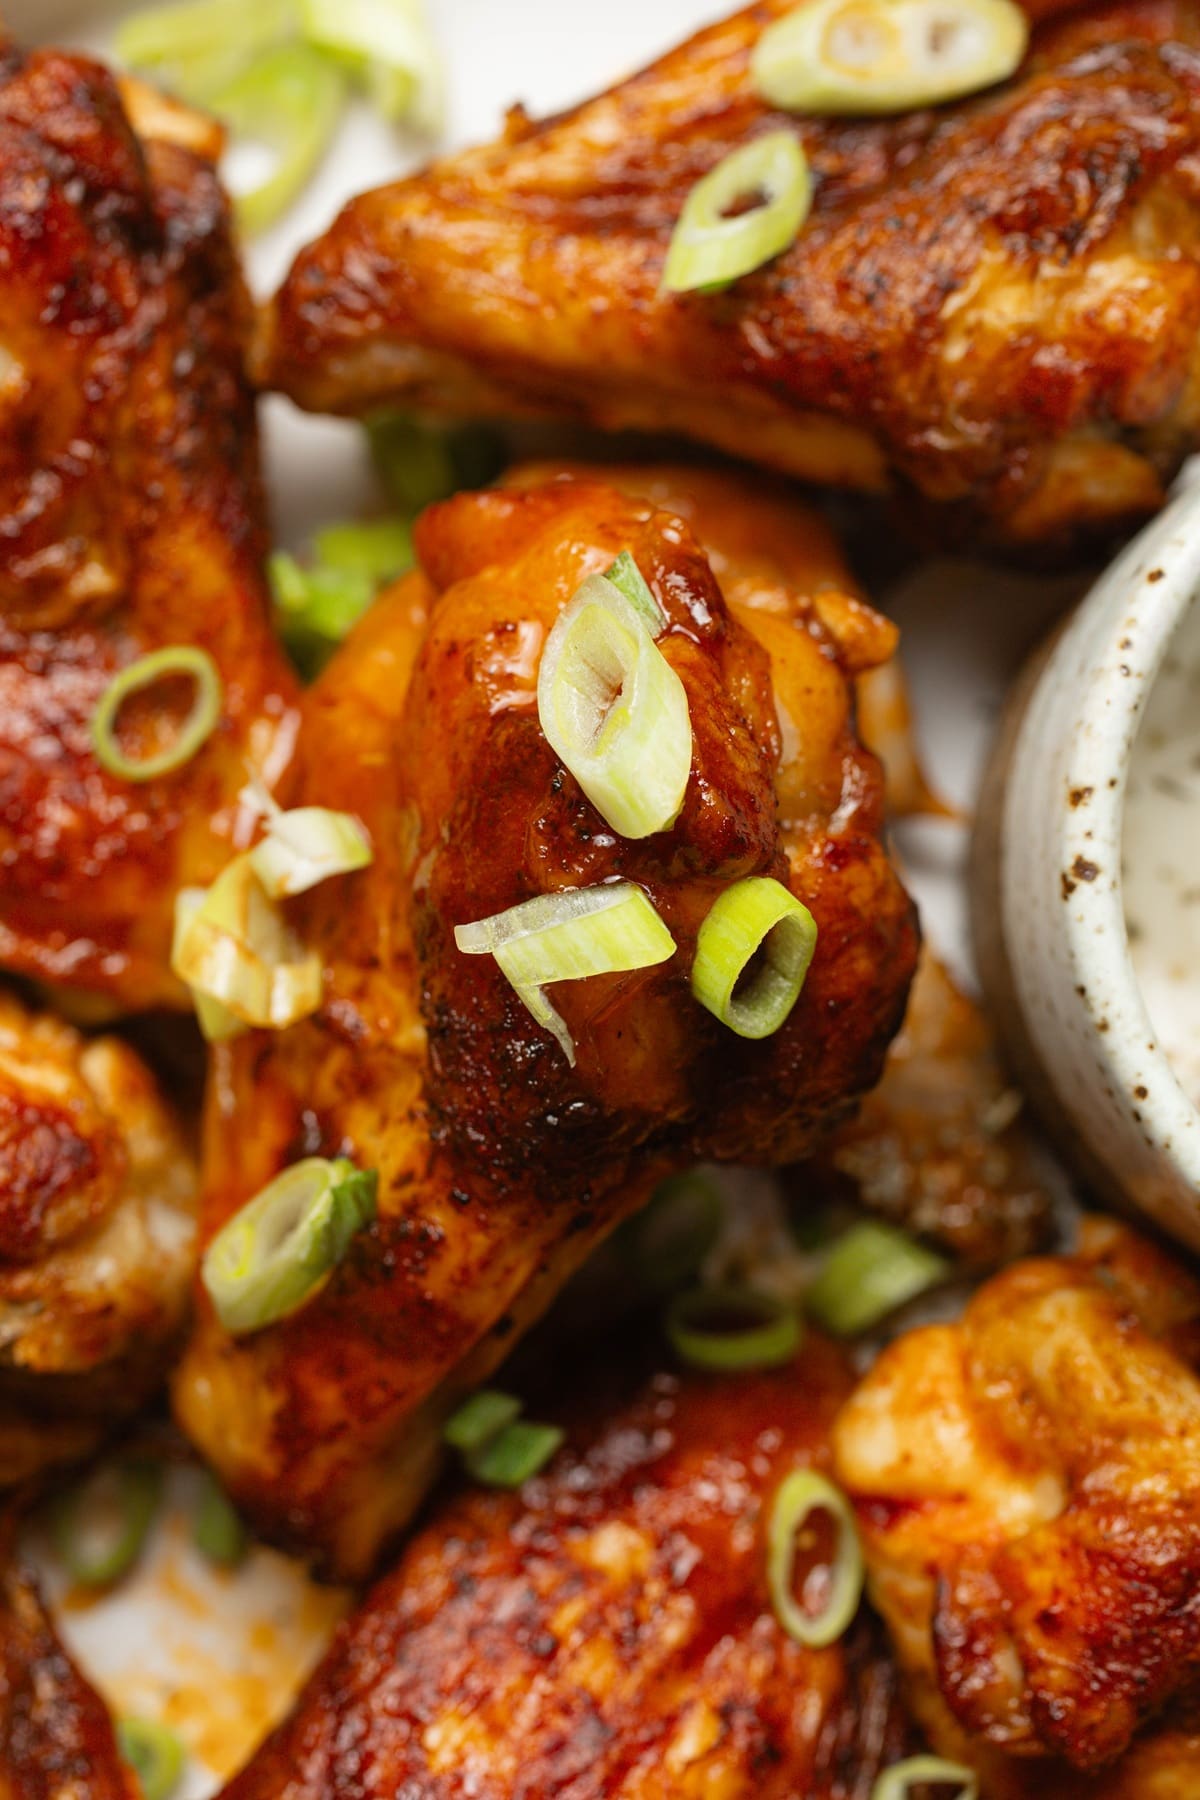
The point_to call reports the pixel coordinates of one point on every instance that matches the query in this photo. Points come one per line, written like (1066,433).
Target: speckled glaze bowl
(1050,896)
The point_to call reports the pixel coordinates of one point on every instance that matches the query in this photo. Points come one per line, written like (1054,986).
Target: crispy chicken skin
(131,517)
(500,1166)
(606,1632)
(993,306)
(97,1238)
(56,1738)
(1027,1484)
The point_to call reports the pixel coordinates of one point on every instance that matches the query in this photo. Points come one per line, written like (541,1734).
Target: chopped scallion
(155,1755)
(628,579)
(388,45)
(290,99)
(515,1454)
(715,244)
(147,672)
(380,549)
(480,1419)
(731,1329)
(898,1782)
(419,464)
(306,846)
(234,946)
(100,1528)
(217,1530)
(198,45)
(755,921)
(872,1270)
(800,1495)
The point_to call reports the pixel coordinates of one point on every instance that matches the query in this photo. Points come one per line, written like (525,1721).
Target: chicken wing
(97,1238)
(1028,1490)
(131,517)
(606,1632)
(501,1166)
(994,305)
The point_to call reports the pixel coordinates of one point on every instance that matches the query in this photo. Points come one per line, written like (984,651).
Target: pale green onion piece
(728,1330)
(100,1528)
(216,1022)
(628,579)
(615,712)
(271,1257)
(800,1495)
(236,947)
(886,56)
(419,464)
(217,1530)
(199,45)
(155,1755)
(568,936)
(713,245)
(289,100)
(306,846)
(755,922)
(480,1419)
(515,1454)
(871,1271)
(380,549)
(389,45)
(898,1782)
(667,1241)
(317,607)
(160,665)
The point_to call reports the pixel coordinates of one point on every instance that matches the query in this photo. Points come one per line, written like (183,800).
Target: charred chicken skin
(131,518)
(993,305)
(606,1632)
(1027,1484)
(499,1165)
(97,1238)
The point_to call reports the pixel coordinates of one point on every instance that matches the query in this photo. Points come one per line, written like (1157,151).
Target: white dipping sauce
(1161,854)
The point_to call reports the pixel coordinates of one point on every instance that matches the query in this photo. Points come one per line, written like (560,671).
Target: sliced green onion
(730,1329)
(515,1454)
(217,1530)
(380,549)
(388,44)
(713,245)
(201,722)
(898,1782)
(615,712)
(273,1255)
(628,579)
(235,947)
(755,919)
(800,1495)
(100,1528)
(289,99)
(568,936)
(667,1241)
(199,45)
(216,1022)
(306,846)
(155,1755)
(871,1270)
(419,464)
(884,56)
(480,1419)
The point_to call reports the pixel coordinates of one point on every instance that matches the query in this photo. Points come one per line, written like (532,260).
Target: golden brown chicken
(500,1166)
(97,1238)
(131,518)
(608,1631)
(1028,1490)
(993,305)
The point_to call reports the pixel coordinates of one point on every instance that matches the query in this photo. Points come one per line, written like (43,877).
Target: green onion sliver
(756,919)
(306,846)
(713,244)
(800,1495)
(568,936)
(236,951)
(885,56)
(388,44)
(273,1255)
(380,549)
(155,1755)
(629,580)
(871,1270)
(898,1782)
(480,1419)
(668,1240)
(202,720)
(727,1330)
(99,1529)
(289,99)
(615,712)
(515,1454)
(217,1530)
(197,45)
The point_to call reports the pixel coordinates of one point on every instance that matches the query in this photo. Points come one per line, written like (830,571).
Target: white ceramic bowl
(1051,895)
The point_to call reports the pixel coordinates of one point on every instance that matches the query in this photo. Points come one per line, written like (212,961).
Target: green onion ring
(628,579)
(771,1339)
(99,1529)
(201,722)
(871,1271)
(898,1782)
(800,1494)
(217,1530)
(155,1755)
(479,1419)
(711,246)
(515,1454)
(757,914)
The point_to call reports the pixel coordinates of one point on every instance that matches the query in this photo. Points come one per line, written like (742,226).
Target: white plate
(220,1656)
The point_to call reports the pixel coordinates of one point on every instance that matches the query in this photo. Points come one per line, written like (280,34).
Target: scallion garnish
(196,46)
(714,243)
(628,579)
(568,936)
(479,1419)
(885,56)
(801,1494)
(755,922)
(515,1454)
(148,671)
(217,1530)
(379,549)
(419,463)
(667,1241)
(291,100)
(233,945)
(99,1529)
(155,1755)
(898,1782)
(387,44)
(270,1258)
(727,1330)
(306,846)
(871,1271)
(615,712)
